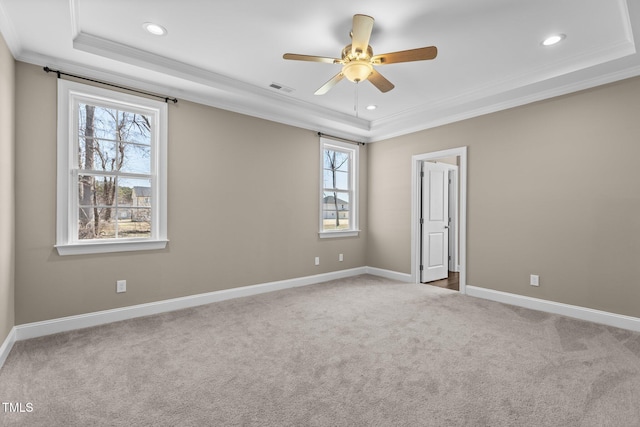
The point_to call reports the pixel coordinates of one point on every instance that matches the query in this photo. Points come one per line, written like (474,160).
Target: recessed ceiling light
(551,40)
(371,107)
(155,29)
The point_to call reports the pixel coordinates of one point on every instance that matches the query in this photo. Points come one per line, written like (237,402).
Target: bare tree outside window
(336,189)
(111,193)
(114,149)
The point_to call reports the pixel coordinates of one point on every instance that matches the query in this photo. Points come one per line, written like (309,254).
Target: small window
(111,171)
(338,193)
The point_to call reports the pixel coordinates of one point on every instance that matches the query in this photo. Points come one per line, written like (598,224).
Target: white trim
(54,326)
(74,15)
(416,161)
(577,312)
(107,247)
(271,105)
(389,274)
(592,69)
(332,234)
(453,214)
(7,345)
(9,33)
(244,98)
(354,188)
(69,93)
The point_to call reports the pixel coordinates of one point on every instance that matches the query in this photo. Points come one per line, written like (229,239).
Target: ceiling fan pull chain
(355,104)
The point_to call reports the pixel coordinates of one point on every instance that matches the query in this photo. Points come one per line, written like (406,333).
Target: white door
(435,222)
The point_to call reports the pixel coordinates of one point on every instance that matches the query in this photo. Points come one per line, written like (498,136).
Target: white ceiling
(226,53)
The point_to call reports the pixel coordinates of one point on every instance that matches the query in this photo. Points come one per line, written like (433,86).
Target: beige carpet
(363,351)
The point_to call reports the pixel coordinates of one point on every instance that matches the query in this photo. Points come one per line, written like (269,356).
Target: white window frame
(67,242)
(354,167)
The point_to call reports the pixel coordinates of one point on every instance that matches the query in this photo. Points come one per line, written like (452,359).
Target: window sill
(107,247)
(330,234)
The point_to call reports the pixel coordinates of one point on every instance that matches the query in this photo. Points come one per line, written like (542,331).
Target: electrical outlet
(121,286)
(317,260)
(340,257)
(534,280)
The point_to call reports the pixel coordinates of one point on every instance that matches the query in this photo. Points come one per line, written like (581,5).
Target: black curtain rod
(350,141)
(60,73)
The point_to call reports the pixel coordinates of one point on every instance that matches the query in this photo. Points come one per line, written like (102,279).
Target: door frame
(442,225)
(453,213)
(416,162)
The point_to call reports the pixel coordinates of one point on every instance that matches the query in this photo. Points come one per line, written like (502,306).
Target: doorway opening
(452,281)
(438,218)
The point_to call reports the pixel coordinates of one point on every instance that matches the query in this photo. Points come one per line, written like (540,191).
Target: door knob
(446,226)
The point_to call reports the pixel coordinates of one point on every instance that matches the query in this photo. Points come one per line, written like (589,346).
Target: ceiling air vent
(282,88)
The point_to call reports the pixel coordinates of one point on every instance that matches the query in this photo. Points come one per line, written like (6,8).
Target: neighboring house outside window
(339,189)
(141,206)
(332,210)
(111,171)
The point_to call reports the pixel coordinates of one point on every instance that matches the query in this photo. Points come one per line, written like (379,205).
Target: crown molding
(435,114)
(257,101)
(422,120)
(600,65)
(264,103)
(74,15)
(9,33)
(568,66)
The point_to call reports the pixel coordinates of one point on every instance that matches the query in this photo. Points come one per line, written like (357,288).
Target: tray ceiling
(228,54)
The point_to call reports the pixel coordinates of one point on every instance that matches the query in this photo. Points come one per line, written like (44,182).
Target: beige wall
(544,198)
(7,200)
(243,209)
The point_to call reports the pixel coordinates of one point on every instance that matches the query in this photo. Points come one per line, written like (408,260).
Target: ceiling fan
(358,58)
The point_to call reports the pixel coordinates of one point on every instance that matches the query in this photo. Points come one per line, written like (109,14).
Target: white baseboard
(388,274)
(54,326)
(48,327)
(582,313)
(7,345)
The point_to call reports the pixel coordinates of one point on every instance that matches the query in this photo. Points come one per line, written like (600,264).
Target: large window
(111,171)
(338,194)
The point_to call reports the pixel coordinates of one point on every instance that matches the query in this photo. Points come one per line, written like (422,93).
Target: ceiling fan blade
(360,33)
(419,54)
(379,81)
(296,57)
(331,83)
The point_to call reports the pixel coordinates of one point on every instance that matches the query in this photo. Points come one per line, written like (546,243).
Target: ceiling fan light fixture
(155,29)
(357,71)
(554,39)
